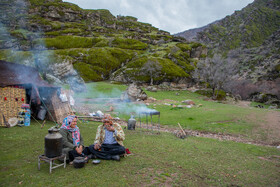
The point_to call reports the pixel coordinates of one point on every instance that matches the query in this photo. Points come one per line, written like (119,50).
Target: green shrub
(195,45)
(100,42)
(207,93)
(20,34)
(121,54)
(277,67)
(169,70)
(65,31)
(66,42)
(58,3)
(105,16)
(127,18)
(135,26)
(96,64)
(125,43)
(86,72)
(17,56)
(182,59)
(221,95)
(184,47)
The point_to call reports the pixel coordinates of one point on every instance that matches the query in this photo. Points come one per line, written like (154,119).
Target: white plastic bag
(71,100)
(99,113)
(63,98)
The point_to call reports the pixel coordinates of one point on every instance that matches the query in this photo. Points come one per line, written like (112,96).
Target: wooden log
(182,129)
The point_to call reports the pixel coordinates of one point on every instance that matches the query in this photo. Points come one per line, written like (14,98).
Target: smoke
(98,96)
(22,42)
(19,38)
(131,108)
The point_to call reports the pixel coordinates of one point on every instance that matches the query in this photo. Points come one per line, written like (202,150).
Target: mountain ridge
(251,37)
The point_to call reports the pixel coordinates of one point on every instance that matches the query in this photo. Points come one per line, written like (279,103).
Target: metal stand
(147,121)
(53,165)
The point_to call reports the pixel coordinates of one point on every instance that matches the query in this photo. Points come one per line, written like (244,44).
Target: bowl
(96,161)
(13,121)
(79,162)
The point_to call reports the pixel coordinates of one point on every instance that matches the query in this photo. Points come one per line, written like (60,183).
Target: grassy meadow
(157,159)
(214,117)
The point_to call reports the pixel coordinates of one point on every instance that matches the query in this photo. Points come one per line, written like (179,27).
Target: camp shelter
(20,84)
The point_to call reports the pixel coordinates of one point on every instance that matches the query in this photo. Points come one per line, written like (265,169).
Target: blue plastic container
(27,117)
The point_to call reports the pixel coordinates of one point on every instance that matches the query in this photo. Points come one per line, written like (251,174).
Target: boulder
(66,73)
(53,80)
(134,93)
(151,89)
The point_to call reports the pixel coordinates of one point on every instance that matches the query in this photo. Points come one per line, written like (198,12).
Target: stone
(151,89)
(53,80)
(134,92)
(150,100)
(272,107)
(188,102)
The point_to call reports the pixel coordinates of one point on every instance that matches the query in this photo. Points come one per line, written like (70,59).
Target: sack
(42,113)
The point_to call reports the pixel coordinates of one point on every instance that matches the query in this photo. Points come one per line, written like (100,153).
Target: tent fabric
(18,74)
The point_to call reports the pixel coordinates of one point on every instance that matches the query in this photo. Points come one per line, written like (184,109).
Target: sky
(169,15)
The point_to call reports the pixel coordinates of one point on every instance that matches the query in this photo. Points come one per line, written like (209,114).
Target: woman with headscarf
(73,145)
(109,139)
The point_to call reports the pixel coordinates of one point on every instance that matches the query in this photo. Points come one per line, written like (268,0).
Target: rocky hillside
(246,28)
(251,38)
(64,41)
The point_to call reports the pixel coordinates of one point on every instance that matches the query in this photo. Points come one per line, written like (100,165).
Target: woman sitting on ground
(73,145)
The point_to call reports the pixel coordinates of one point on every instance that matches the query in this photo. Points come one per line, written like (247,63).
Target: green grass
(211,116)
(101,90)
(214,117)
(158,160)
(66,42)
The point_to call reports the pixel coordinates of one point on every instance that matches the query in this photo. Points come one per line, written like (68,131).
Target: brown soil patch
(268,126)
(243,103)
(217,136)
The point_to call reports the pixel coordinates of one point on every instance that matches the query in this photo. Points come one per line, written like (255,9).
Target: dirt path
(272,125)
(202,134)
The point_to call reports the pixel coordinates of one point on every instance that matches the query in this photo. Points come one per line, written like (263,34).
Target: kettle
(131,123)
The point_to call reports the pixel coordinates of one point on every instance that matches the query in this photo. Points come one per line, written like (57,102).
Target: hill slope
(61,39)
(250,37)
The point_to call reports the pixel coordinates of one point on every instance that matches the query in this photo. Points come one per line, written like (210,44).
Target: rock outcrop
(134,93)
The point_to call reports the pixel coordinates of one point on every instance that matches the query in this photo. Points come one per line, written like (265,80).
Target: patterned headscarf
(75,131)
(107,117)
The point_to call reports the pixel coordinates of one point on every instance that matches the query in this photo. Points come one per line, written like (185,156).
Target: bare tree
(215,71)
(152,68)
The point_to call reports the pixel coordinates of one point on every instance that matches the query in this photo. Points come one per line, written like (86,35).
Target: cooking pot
(79,162)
